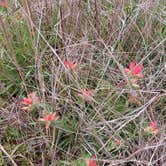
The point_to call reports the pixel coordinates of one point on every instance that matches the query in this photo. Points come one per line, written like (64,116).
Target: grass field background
(103,111)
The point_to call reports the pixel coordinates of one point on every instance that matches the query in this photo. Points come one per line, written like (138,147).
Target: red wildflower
(153,127)
(49,118)
(27,102)
(3,3)
(92,161)
(86,94)
(134,70)
(69,64)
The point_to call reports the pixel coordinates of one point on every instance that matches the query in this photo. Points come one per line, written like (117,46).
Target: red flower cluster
(86,94)
(92,161)
(153,127)
(28,101)
(48,118)
(134,70)
(69,65)
(31,99)
(3,3)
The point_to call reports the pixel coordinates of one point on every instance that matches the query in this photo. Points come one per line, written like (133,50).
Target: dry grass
(102,38)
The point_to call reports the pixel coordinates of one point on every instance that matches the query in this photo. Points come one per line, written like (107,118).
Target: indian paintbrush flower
(152,128)
(69,65)
(86,94)
(134,70)
(91,161)
(28,101)
(49,118)
(3,3)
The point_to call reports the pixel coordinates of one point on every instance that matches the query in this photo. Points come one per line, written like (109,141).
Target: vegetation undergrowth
(82,83)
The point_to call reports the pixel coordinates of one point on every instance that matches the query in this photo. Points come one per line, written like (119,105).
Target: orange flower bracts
(92,161)
(3,3)
(134,70)
(69,65)
(152,128)
(28,101)
(86,94)
(48,118)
